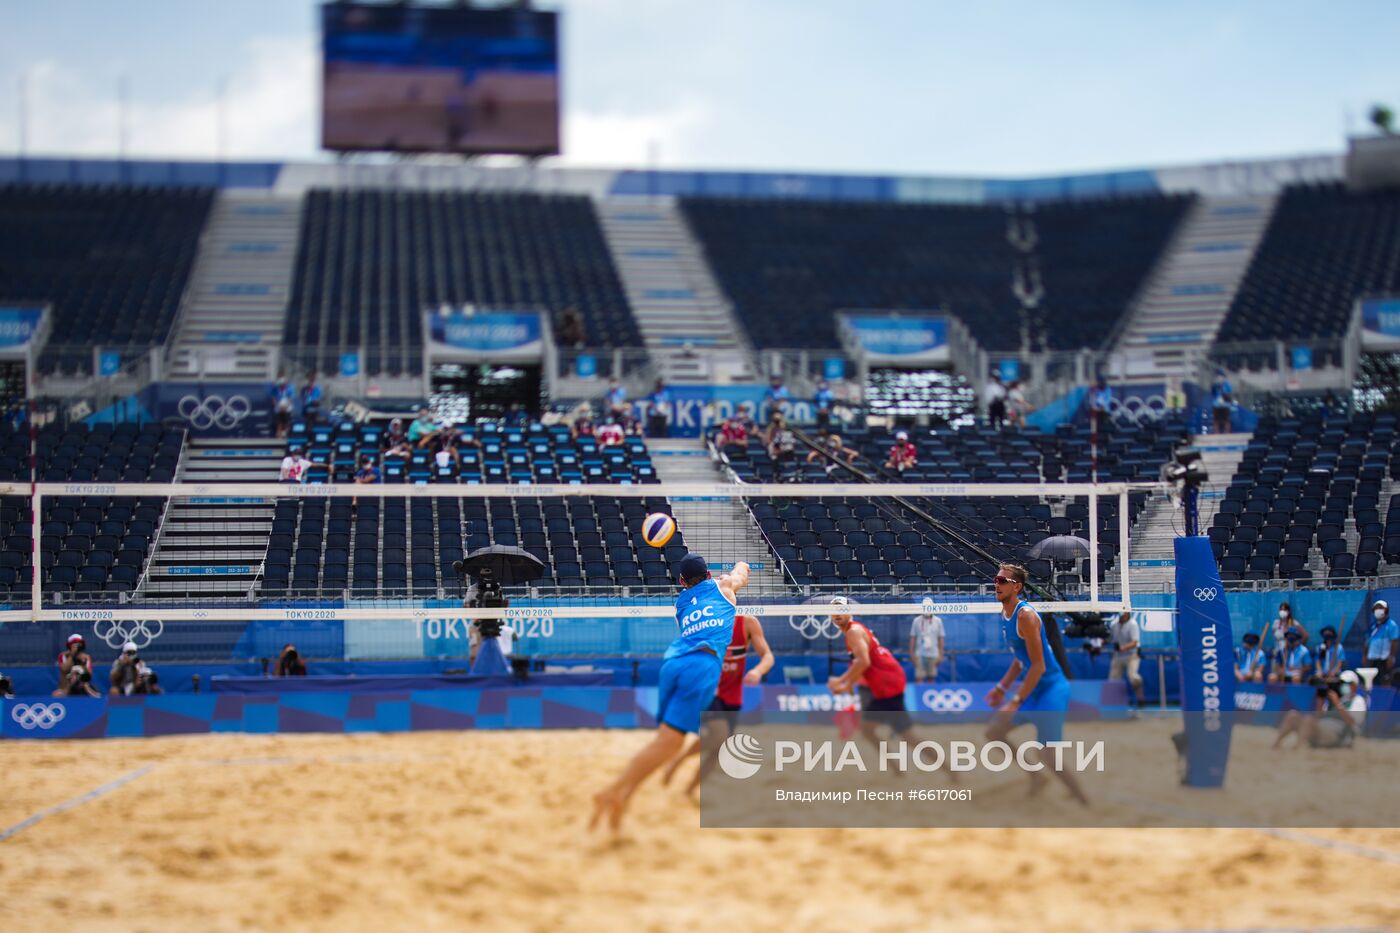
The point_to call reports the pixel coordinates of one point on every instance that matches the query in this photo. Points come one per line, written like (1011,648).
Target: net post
(1123,546)
(36,577)
(1094,544)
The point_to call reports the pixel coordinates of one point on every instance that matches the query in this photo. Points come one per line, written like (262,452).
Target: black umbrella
(1060,547)
(501,564)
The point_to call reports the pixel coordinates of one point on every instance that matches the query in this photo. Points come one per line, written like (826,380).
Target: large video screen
(440,79)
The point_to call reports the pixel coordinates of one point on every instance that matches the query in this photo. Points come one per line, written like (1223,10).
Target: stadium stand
(112,261)
(1325,247)
(89,544)
(783,261)
(836,541)
(403,548)
(1299,482)
(369,263)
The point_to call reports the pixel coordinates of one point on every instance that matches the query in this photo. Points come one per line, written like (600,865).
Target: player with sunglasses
(1043,696)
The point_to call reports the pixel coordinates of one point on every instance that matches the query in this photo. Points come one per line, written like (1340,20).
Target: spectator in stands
(996,401)
(1297,660)
(614,400)
(76,682)
(582,425)
(611,433)
(148,683)
(781,443)
(839,454)
(777,397)
(1336,724)
(423,429)
(447,454)
(366,475)
(1222,401)
(1016,405)
(283,398)
(295,466)
(746,418)
(926,640)
(517,416)
(290,663)
(659,411)
(1382,638)
(822,402)
(76,653)
(903,456)
(396,442)
(1330,405)
(571,332)
(732,433)
(311,399)
(1250,660)
(1126,636)
(126,671)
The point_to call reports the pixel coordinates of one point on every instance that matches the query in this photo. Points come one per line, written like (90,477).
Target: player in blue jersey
(1043,696)
(690,670)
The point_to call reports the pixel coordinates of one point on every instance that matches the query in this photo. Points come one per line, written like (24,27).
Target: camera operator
(75,653)
(290,663)
(126,671)
(148,684)
(1127,659)
(77,682)
(1338,721)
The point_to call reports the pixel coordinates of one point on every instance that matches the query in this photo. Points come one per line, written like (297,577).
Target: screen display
(440,79)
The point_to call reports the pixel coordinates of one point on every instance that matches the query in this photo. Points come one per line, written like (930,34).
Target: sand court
(487,829)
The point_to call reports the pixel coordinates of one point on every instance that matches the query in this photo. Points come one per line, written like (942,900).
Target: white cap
(1380,602)
(901,436)
(1349,677)
(129,646)
(840,601)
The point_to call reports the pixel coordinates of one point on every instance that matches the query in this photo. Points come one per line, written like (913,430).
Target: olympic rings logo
(213,411)
(814,627)
(118,632)
(947,701)
(38,715)
(1204,594)
(1136,411)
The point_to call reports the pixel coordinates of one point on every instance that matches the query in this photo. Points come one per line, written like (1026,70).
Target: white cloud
(270,111)
(611,138)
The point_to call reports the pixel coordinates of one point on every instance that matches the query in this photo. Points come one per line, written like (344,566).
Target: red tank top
(884,676)
(731,675)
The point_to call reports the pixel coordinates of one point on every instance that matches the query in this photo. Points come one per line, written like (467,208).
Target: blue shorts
(688,684)
(1046,708)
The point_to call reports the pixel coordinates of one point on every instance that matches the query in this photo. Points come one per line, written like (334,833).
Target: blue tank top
(706,620)
(1053,675)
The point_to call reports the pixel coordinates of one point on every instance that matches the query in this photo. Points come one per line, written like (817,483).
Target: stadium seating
(113,262)
(782,262)
(398,547)
(838,541)
(1324,248)
(369,263)
(90,546)
(1299,483)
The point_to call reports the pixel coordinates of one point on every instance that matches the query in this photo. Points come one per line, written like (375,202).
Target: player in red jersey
(879,675)
(723,712)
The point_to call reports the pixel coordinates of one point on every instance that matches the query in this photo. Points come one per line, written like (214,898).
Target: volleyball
(657,529)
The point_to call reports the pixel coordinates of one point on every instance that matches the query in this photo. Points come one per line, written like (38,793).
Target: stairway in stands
(1178,314)
(720,528)
(231,323)
(1153,552)
(686,322)
(213,546)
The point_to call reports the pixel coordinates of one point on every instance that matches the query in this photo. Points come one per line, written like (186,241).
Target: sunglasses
(1000,580)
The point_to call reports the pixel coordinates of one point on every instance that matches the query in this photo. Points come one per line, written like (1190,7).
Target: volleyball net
(387,560)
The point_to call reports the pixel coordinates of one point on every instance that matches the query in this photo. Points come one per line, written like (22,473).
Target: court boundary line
(81,799)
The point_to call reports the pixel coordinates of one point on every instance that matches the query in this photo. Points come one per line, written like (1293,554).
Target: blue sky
(909,86)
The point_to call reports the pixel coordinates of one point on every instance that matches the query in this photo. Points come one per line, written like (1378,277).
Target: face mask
(1380,613)
(1283,613)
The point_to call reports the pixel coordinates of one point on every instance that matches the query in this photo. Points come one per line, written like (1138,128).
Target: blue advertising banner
(109,363)
(1380,322)
(517,333)
(1207,662)
(900,339)
(833,368)
(1302,358)
(349,364)
(18,325)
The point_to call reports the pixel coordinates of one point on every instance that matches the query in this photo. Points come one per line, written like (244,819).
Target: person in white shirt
(294,466)
(1127,639)
(1338,724)
(926,639)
